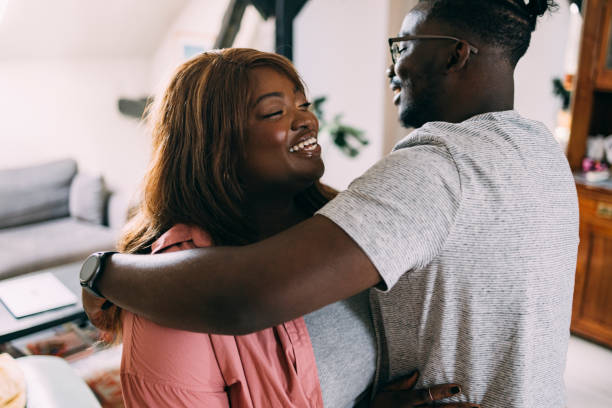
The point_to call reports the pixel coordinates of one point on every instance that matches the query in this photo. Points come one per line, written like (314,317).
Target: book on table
(29,295)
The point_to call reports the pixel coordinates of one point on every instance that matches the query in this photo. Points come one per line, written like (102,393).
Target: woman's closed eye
(306,105)
(273,114)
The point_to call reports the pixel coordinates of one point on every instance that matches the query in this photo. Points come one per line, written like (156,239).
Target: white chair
(52,383)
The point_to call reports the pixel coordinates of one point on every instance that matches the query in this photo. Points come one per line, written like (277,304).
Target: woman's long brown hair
(198,141)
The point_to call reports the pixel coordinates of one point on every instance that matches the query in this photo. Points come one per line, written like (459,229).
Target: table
(12,328)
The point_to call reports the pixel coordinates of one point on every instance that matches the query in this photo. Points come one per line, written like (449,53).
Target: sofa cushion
(32,247)
(35,193)
(87,198)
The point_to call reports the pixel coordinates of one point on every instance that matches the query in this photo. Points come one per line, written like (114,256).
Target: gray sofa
(51,214)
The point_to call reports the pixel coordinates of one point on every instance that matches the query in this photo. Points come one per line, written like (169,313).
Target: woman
(235,159)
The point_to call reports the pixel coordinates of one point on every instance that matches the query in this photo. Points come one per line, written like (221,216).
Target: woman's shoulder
(181,236)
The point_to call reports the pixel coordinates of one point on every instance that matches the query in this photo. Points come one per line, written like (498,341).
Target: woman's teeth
(308,144)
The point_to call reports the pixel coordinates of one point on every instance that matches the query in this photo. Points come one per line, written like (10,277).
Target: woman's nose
(304,120)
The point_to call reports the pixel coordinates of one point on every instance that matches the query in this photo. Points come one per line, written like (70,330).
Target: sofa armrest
(118,209)
(87,198)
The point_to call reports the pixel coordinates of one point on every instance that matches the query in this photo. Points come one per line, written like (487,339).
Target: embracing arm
(394,218)
(238,290)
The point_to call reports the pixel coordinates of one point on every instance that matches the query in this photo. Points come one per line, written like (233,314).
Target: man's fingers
(438,392)
(404,383)
(400,393)
(426,396)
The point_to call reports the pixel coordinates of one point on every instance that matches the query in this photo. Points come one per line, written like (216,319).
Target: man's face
(416,72)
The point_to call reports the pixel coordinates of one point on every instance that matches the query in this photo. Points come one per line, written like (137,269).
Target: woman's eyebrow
(268,95)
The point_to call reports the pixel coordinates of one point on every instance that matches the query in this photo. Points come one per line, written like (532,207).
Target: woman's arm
(238,290)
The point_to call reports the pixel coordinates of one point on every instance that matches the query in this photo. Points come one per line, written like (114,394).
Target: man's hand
(401,394)
(98,316)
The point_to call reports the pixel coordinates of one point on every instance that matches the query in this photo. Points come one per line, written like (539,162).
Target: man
(468,231)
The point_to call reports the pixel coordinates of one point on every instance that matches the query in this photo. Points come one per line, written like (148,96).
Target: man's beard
(420,109)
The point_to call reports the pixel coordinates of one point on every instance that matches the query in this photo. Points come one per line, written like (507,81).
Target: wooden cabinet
(592,115)
(604,63)
(592,97)
(592,308)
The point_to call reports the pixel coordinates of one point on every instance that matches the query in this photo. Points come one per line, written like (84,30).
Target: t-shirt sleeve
(401,211)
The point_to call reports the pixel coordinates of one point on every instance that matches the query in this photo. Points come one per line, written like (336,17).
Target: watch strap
(91,283)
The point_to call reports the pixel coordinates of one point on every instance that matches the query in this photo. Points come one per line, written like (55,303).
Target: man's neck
(480,96)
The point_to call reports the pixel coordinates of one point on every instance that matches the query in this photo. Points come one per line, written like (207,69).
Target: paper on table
(35,294)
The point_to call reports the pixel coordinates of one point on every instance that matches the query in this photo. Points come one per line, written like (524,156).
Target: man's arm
(238,290)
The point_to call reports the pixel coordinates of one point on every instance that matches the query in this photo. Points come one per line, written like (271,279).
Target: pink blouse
(164,367)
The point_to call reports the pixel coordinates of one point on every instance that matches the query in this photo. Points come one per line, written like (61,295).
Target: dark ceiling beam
(231,23)
(284,11)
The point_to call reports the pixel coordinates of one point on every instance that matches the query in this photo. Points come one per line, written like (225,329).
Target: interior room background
(65,63)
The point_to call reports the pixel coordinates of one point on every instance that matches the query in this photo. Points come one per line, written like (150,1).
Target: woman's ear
(459,56)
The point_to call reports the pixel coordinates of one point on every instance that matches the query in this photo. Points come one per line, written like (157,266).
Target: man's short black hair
(507,24)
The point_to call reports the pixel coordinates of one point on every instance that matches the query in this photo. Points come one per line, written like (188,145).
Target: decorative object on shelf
(595,171)
(608,148)
(348,139)
(595,148)
(596,165)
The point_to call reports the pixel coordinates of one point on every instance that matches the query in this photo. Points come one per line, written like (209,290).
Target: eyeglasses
(396,51)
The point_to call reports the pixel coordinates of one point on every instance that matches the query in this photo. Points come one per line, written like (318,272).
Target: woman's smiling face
(281,136)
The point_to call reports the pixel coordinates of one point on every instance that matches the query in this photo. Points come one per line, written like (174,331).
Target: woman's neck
(271,215)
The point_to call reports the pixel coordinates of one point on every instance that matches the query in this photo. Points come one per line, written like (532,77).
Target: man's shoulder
(436,134)
(491,135)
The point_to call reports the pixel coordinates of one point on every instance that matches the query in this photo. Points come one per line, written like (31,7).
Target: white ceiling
(85,28)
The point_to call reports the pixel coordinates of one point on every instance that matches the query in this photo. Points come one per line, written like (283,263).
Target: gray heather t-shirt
(473,228)
(344,344)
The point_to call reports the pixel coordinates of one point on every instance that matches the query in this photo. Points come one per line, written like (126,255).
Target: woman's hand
(401,394)
(98,316)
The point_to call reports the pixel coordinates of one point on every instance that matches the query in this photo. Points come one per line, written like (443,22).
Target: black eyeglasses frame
(395,50)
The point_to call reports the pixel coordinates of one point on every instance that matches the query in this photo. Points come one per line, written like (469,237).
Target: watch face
(89,268)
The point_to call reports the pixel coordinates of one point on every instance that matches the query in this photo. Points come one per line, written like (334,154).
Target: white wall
(197,24)
(341,52)
(544,60)
(393,131)
(56,108)
(255,32)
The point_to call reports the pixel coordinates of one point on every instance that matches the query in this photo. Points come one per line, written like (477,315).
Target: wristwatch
(92,269)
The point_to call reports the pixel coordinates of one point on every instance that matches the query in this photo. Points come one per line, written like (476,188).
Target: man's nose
(391,71)
(394,82)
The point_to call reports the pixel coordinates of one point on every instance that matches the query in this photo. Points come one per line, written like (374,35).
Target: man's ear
(459,56)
